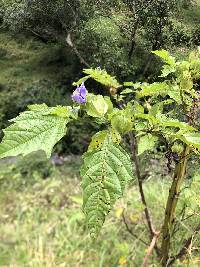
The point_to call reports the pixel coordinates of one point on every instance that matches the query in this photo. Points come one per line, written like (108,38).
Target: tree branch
(130,231)
(150,250)
(71,44)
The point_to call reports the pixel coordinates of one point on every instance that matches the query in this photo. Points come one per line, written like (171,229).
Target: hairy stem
(152,231)
(170,210)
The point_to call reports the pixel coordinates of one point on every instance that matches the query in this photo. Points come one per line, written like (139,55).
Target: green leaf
(158,107)
(79,82)
(38,107)
(167,69)
(97,106)
(99,138)
(165,56)
(174,93)
(170,122)
(138,109)
(32,131)
(122,120)
(150,118)
(105,174)
(102,77)
(61,111)
(129,84)
(146,142)
(153,89)
(192,139)
(126,91)
(109,103)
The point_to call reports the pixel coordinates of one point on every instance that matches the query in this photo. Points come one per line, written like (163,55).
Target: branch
(143,199)
(130,231)
(71,44)
(150,249)
(186,247)
(170,211)
(133,36)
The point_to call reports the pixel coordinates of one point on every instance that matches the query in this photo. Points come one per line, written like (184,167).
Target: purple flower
(79,95)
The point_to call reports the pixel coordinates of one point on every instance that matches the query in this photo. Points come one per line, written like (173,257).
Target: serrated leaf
(126,91)
(150,118)
(165,55)
(146,142)
(102,77)
(38,107)
(80,81)
(153,89)
(32,131)
(109,103)
(175,93)
(170,122)
(105,173)
(61,111)
(167,69)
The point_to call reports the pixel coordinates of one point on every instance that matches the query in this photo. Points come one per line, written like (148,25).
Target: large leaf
(192,139)
(32,131)
(99,138)
(165,56)
(105,173)
(146,142)
(102,77)
(97,106)
(153,89)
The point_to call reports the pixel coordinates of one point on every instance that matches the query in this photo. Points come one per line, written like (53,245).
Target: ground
(42,224)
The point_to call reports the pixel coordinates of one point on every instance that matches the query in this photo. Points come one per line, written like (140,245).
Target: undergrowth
(42,225)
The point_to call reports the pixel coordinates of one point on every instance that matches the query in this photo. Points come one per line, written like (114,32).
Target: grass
(41,222)
(24,60)
(42,225)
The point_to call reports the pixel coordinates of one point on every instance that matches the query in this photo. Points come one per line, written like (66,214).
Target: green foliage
(146,142)
(33,130)
(105,173)
(192,139)
(107,167)
(102,77)
(97,106)
(99,138)
(42,221)
(122,120)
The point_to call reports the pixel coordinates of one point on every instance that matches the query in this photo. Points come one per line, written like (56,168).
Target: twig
(139,177)
(130,231)
(150,250)
(71,44)
(185,248)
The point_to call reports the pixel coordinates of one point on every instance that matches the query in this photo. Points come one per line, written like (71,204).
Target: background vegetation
(42,51)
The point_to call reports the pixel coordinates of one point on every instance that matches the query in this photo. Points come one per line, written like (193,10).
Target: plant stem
(170,210)
(150,250)
(152,231)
